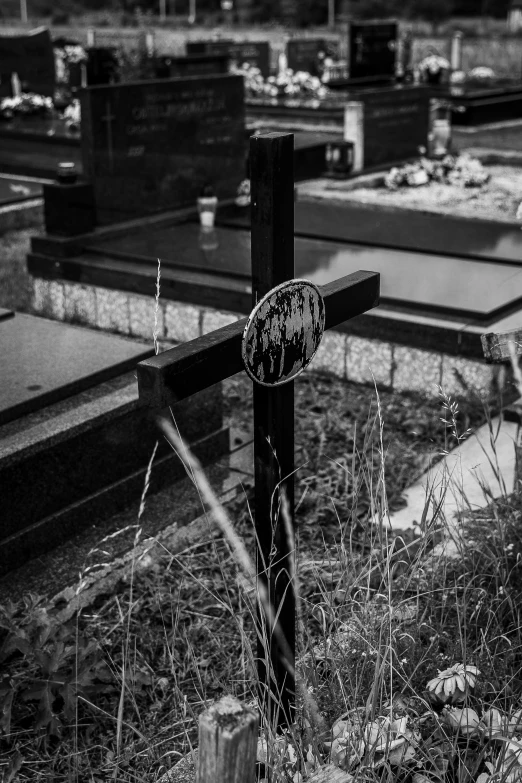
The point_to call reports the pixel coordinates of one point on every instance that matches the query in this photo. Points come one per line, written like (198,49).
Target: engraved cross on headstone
(287,323)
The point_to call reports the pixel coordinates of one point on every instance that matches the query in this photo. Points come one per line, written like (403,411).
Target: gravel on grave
(497,200)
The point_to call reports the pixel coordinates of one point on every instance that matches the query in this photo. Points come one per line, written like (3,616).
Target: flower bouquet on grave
(243,194)
(462,170)
(287,83)
(73,116)
(481,74)
(433,68)
(27,104)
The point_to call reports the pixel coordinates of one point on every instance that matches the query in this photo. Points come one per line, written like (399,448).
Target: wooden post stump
(227,743)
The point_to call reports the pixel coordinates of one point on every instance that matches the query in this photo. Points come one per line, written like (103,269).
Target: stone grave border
(387,358)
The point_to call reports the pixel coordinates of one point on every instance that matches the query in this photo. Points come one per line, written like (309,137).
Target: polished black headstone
(372,49)
(304,54)
(255,53)
(152,146)
(31,56)
(193,65)
(46,361)
(68,209)
(102,65)
(396,124)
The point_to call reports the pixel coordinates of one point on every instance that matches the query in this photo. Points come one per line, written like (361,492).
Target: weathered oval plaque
(283,333)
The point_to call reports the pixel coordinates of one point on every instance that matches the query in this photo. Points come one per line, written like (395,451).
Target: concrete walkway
(470,477)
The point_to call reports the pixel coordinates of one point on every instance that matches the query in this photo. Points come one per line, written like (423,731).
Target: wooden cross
(108,118)
(182,371)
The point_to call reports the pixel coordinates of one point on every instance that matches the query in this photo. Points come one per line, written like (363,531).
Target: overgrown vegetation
(116,694)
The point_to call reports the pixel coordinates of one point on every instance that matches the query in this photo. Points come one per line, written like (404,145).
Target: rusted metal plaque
(283,333)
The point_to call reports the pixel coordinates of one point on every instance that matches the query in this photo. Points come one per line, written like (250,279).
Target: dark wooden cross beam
(176,374)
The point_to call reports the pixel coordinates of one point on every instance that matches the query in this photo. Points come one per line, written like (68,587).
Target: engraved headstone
(31,56)
(255,53)
(306,54)
(372,50)
(387,126)
(152,146)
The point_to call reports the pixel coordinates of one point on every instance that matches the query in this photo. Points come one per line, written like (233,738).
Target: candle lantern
(339,159)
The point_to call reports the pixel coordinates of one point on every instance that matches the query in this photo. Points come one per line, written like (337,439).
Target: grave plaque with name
(31,56)
(304,54)
(152,146)
(255,53)
(372,50)
(395,123)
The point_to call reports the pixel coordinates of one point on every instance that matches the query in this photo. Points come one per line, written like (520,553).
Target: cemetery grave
(74,444)
(144,169)
(176,374)
(444,281)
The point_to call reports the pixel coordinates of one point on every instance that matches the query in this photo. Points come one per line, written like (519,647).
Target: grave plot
(74,444)
(35,146)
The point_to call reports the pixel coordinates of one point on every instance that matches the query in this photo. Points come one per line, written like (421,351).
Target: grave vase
(441,133)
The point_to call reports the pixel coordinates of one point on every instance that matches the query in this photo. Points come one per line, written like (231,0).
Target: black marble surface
(460,288)
(372,49)
(69,209)
(85,458)
(31,56)
(45,361)
(15,190)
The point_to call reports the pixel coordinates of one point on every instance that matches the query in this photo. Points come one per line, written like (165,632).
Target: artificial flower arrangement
(65,56)
(26,104)
(481,73)
(287,83)
(460,170)
(72,115)
(424,740)
(432,68)
(243,193)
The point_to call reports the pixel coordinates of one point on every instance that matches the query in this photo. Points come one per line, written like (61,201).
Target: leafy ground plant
(379,615)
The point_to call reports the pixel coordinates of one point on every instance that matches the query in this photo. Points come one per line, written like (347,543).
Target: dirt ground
(497,200)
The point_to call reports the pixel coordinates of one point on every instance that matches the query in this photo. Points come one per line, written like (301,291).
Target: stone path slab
(469,478)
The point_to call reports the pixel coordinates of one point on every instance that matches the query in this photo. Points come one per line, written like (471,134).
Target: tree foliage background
(300,13)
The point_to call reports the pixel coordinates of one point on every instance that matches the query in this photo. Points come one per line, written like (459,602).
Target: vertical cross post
(272,178)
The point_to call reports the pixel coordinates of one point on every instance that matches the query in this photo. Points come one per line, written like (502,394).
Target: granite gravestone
(102,65)
(372,50)
(31,56)
(152,146)
(305,54)
(193,65)
(256,53)
(387,126)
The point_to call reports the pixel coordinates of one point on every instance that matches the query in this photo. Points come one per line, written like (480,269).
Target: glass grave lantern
(339,158)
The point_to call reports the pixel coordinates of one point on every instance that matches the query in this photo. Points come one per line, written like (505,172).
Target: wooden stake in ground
(273,346)
(227,743)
